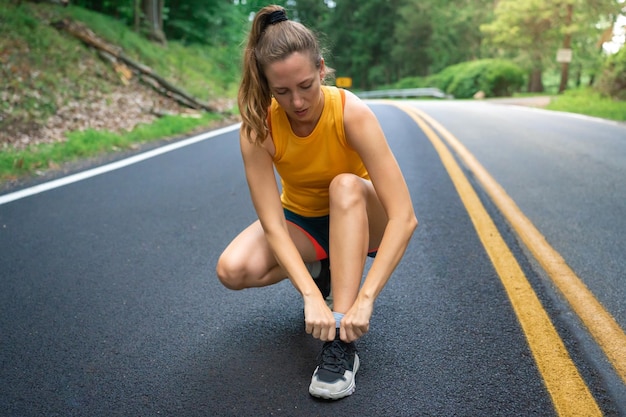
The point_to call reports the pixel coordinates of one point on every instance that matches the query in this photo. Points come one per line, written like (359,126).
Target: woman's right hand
(318,319)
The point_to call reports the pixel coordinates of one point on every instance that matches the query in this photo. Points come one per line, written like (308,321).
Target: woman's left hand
(356,322)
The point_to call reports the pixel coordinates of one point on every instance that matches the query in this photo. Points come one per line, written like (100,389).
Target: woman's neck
(305,128)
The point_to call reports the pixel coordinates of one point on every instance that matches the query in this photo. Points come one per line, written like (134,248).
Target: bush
(502,79)
(444,78)
(496,78)
(411,82)
(467,80)
(612,81)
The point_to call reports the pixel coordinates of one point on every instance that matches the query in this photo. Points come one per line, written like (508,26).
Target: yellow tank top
(307,165)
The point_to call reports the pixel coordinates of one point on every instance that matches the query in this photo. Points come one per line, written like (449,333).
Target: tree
(596,19)
(456,31)
(532,31)
(431,35)
(153,18)
(413,33)
(526,28)
(361,35)
(612,80)
(567,45)
(209,22)
(312,13)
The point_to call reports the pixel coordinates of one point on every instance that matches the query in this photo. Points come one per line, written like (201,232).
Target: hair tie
(277,16)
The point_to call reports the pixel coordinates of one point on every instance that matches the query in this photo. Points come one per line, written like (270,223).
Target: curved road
(109,304)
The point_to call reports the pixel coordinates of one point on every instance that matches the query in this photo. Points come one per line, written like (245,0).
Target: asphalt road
(566,172)
(109,304)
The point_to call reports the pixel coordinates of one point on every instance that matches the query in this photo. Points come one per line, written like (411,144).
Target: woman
(343,195)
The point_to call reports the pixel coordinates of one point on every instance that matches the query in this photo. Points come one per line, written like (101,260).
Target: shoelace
(334,356)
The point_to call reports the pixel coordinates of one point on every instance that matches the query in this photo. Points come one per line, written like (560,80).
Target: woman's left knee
(346,190)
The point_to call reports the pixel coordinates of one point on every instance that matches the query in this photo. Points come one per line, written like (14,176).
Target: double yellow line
(570,395)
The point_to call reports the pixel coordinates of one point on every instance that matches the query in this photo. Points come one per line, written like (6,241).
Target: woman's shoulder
(355,109)
(360,123)
(349,101)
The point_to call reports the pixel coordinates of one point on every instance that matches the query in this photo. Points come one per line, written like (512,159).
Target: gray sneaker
(337,365)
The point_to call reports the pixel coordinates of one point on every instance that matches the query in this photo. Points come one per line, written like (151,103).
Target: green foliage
(612,81)
(444,78)
(496,78)
(501,78)
(433,34)
(119,9)
(204,22)
(411,82)
(361,40)
(413,30)
(589,102)
(312,13)
(528,31)
(379,42)
(467,79)
(456,31)
(532,31)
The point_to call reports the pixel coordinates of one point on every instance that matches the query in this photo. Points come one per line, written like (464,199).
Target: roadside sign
(564,56)
(343,82)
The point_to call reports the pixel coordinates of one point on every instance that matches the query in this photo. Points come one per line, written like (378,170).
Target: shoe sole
(328,395)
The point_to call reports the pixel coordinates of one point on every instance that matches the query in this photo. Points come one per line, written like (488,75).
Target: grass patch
(90,143)
(588,102)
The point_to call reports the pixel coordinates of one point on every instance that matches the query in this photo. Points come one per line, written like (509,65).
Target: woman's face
(295,83)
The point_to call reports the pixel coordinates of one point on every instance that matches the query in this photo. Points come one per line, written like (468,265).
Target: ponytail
(272,38)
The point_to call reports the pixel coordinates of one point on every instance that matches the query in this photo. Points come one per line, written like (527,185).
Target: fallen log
(113,54)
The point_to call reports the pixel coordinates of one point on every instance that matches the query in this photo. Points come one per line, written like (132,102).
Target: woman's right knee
(231,273)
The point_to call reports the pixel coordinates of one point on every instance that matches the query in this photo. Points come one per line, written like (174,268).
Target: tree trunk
(535,84)
(567,44)
(153,14)
(592,79)
(579,75)
(137,15)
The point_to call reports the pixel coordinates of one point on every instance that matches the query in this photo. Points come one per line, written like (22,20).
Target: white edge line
(40,188)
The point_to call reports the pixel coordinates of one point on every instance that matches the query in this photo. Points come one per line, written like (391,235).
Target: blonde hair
(270,40)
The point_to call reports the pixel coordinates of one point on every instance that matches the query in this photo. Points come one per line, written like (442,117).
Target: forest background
(379,42)
(60,99)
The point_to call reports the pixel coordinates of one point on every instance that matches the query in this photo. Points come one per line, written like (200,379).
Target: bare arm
(365,135)
(266,200)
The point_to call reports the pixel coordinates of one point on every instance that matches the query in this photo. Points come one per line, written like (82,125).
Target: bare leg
(357,223)
(248,260)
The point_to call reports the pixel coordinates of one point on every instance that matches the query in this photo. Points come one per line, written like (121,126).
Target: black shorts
(317,230)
